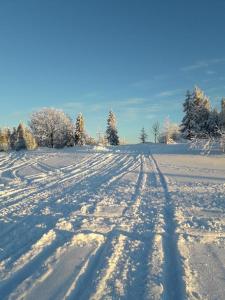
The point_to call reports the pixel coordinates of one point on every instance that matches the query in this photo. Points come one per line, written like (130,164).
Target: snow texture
(128,222)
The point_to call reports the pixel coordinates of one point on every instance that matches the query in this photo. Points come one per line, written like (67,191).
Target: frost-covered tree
(13,138)
(143,136)
(188,124)
(111,131)
(155,130)
(25,139)
(79,131)
(213,123)
(197,111)
(4,139)
(222,116)
(50,127)
(201,112)
(170,133)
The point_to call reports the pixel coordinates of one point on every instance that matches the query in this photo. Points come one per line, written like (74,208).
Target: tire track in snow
(113,258)
(93,191)
(174,287)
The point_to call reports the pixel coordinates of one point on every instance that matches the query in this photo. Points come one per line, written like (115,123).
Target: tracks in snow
(115,209)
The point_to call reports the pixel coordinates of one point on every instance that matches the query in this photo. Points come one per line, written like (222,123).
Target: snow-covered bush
(52,128)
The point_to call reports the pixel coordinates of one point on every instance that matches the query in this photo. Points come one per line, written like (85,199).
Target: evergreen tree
(111,131)
(201,112)
(20,143)
(143,136)
(13,138)
(222,116)
(188,125)
(79,131)
(25,139)
(197,111)
(213,123)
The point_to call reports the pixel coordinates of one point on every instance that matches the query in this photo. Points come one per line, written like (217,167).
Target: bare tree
(155,130)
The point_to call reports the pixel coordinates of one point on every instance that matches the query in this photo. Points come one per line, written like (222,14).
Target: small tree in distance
(79,131)
(143,136)
(111,131)
(155,130)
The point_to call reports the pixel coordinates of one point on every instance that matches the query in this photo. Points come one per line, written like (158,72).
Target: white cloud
(169,93)
(203,64)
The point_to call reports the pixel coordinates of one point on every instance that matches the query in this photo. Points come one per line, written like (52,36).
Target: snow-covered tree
(197,111)
(213,123)
(111,131)
(13,138)
(201,112)
(143,135)
(170,133)
(50,127)
(155,131)
(79,131)
(222,115)
(188,124)
(25,139)
(4,139)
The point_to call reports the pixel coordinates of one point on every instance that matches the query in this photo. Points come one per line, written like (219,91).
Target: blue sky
(135,57)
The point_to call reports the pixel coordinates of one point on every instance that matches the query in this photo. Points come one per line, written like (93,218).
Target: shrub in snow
(111,131)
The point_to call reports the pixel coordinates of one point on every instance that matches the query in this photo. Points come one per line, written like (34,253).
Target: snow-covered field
(131,222)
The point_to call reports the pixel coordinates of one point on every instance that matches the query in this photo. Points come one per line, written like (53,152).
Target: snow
(128,222)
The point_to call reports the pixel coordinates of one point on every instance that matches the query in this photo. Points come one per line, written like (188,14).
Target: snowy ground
(133,222)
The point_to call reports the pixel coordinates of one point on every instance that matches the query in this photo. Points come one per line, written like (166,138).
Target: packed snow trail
(109,223)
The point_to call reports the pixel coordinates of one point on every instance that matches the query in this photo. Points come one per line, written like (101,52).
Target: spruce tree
(20,143)
(13,138)
(79,131)
(187,125)
(143,136)
(222,116)
(25,139)
(201,112)
(111,131)
(213,123)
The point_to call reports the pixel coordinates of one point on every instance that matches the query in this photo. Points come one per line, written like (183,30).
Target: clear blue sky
(135,57)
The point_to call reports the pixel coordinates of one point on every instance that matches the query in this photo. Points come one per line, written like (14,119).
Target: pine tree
(213,123)
(13,138)
(25,139)
(197,111)
(111,131)
(79,131)
(143,136)
(20,143)
(222,116)
(201,112)
(187,125)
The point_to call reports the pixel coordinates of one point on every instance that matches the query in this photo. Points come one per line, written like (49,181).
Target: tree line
(52,128)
